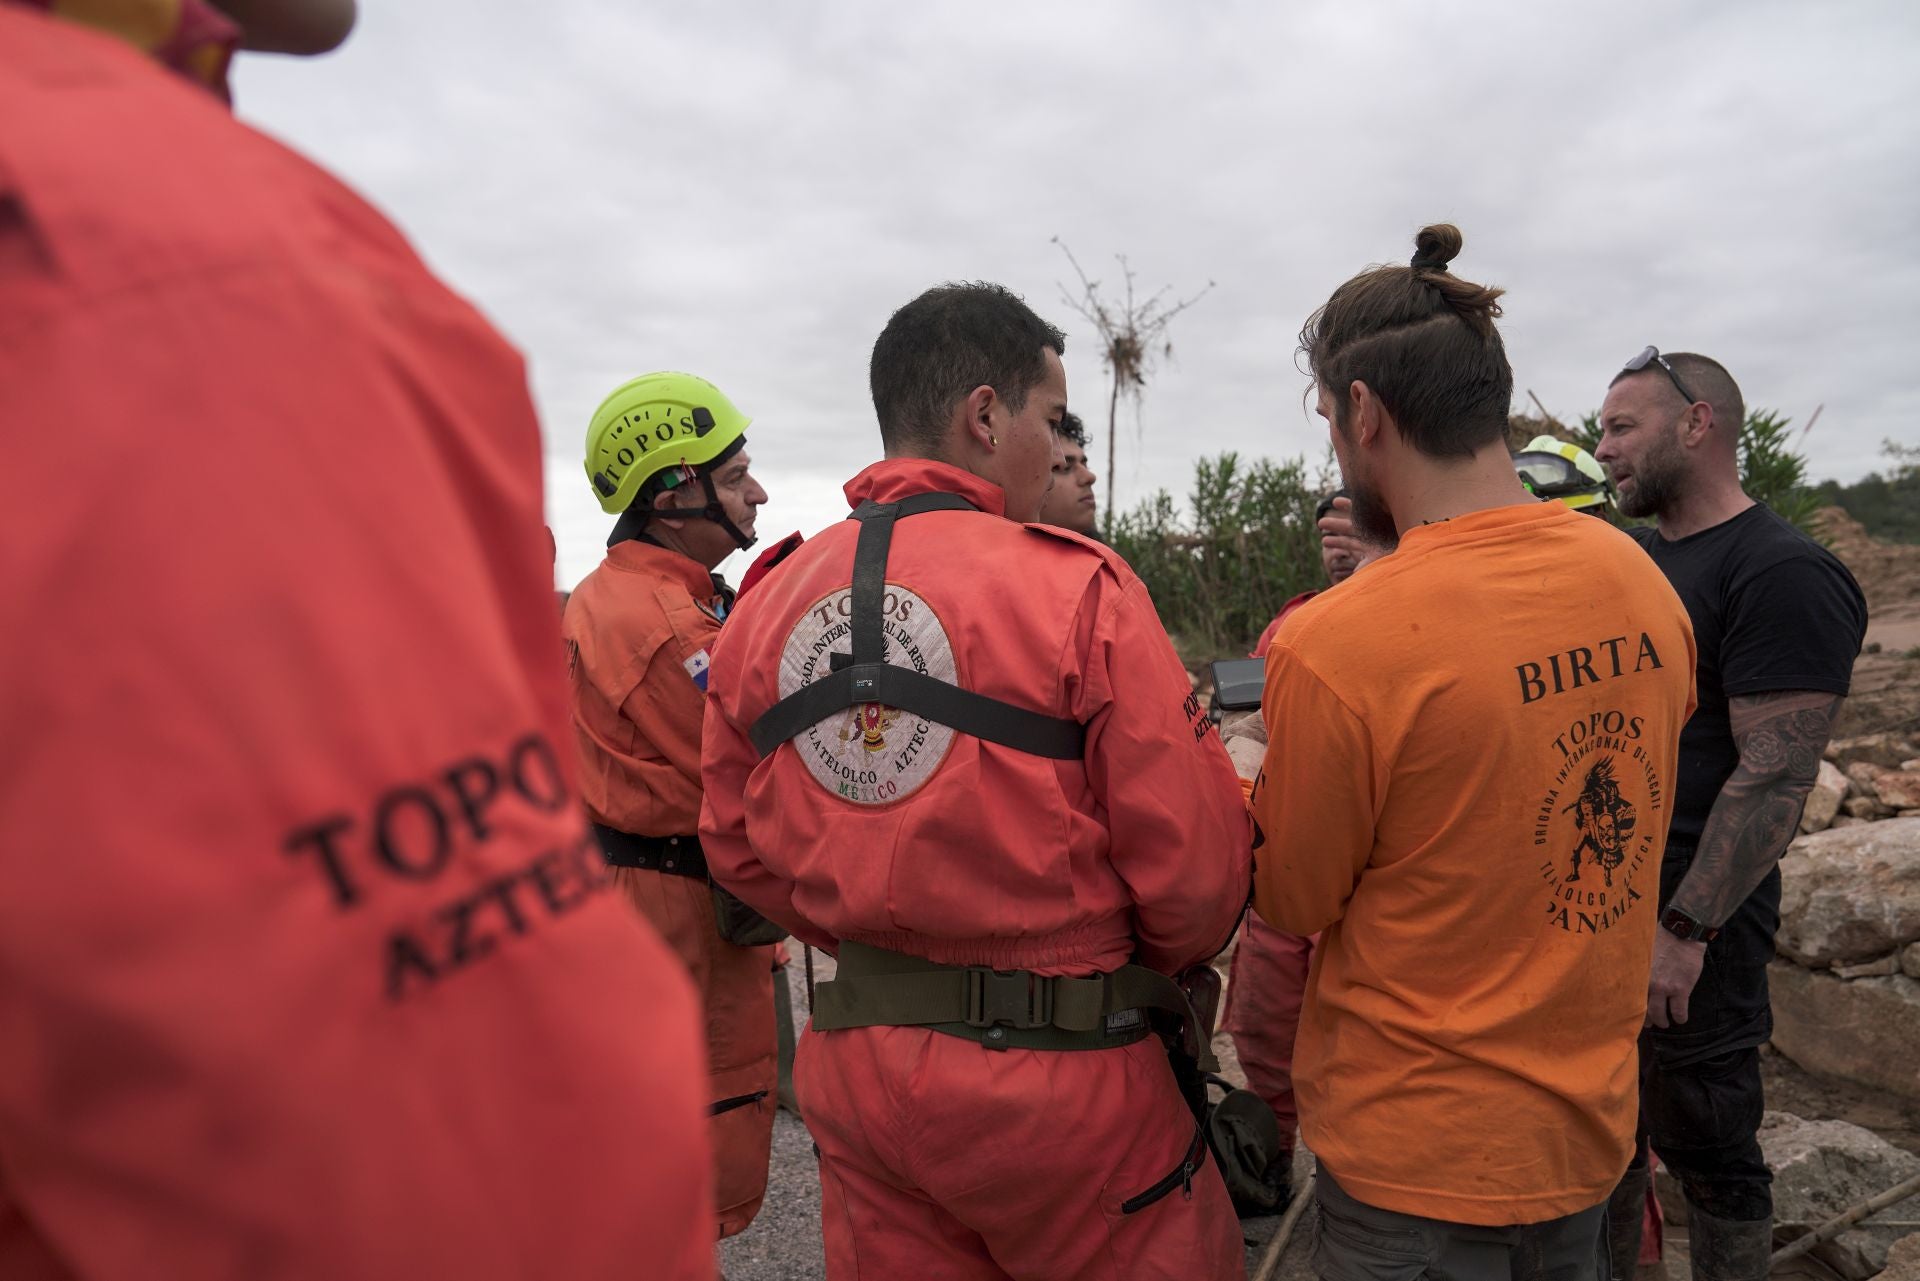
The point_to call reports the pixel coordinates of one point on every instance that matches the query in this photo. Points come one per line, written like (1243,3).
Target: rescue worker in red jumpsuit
(667,452)
(958,751)
(1268,978)
(308,967)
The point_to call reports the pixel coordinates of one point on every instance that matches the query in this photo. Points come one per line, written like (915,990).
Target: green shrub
(1887,505)
(1220,570)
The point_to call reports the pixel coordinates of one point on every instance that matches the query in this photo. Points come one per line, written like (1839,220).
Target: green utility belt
(1002,1009)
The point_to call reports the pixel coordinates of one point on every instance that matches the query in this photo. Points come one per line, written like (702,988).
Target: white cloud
(749,192)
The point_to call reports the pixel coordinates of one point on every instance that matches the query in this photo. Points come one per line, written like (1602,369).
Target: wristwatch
(1678,923)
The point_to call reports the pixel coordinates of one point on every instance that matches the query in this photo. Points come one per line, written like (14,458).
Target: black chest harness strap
(865,676)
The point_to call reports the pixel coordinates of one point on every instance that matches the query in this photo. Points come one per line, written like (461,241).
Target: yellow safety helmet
(1554,469)
(654,423)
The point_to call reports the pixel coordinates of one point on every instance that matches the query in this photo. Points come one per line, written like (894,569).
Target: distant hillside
(1886,679)
(1888,507)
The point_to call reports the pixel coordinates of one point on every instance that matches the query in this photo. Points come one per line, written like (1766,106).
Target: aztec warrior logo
(871,754)
(1598,823)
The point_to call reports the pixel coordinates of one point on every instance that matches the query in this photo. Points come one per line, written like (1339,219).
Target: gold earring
(993,441)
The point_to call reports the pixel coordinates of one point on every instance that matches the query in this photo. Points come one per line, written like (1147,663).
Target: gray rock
(1889,751)
(1862,774)
(1823,1167)
(1864,806)
(1888,964)
(1863,1030)
(1847,820)
(1823,802)
(1903,1259)
(1852,894)
(1910,960)
(1899,788)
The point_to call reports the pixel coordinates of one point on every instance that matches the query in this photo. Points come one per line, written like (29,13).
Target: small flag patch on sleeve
(697,669)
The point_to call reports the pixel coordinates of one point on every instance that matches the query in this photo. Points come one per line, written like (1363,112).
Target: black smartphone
(1238,683)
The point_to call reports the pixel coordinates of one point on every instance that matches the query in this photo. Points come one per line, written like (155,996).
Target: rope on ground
(1278,1246)
(1845,1219)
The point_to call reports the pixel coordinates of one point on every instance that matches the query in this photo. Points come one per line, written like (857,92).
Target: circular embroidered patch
(871,754)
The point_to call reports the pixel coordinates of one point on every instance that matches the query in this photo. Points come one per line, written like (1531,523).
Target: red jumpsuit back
(940,1156)
(307,963)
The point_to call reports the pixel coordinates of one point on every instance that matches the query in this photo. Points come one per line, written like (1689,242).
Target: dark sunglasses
(1652,356)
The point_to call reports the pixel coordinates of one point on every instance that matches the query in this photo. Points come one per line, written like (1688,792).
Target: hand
(1337,533)
(1338,522)
(1676,968)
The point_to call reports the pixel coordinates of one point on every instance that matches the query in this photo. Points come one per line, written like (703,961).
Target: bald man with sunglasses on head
(1778,621)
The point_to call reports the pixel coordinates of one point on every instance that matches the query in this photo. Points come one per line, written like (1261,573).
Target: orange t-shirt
(1468,790)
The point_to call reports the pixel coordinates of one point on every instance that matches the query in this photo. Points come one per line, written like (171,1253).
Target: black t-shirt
(1772,610)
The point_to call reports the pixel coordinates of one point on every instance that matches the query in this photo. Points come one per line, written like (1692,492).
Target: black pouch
(740,925)
(1240,1130)
(1244,1138)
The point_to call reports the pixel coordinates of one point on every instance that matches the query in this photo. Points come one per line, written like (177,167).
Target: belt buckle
(1012,998)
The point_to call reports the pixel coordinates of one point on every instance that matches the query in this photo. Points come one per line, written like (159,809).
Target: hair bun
(1436,246)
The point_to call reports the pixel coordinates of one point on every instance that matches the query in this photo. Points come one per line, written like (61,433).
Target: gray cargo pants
(1359,1242)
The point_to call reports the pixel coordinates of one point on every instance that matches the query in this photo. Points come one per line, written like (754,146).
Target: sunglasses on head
(1652,356)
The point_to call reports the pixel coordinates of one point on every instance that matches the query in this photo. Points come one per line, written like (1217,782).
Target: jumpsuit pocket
(1181,1176)
(737,1101)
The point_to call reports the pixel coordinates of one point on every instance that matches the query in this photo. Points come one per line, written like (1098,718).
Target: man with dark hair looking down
(1446,749)
(1779,622)
(960,753)
(1070,503)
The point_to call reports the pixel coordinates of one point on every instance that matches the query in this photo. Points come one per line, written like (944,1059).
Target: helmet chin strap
(717,513)
(633,521)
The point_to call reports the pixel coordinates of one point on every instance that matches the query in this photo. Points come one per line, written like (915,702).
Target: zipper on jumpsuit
(1181,1176)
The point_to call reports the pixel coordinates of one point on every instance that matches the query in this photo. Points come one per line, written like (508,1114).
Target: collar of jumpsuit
(637,556)
(892,479)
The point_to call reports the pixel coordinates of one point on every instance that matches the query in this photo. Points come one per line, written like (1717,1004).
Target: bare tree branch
(1132,337)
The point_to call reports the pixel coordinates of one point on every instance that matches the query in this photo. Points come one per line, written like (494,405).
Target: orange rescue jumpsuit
(639,631)
(1268,983)
(307,964)
(939,1156)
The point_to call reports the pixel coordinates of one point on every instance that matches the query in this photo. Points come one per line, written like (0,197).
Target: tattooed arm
(1781,737)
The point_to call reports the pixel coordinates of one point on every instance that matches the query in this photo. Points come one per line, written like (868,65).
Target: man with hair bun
(1779,621)
(1469,781)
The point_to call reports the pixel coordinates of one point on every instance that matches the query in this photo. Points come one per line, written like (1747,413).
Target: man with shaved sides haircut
(1779,621)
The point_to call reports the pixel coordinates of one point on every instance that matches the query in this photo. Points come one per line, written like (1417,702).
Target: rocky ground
(1886,680)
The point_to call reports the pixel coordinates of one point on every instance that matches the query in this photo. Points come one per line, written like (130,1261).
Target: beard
(1658,481)
(1372,522)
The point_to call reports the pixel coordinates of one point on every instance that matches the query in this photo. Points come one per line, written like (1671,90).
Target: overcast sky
(748,191)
